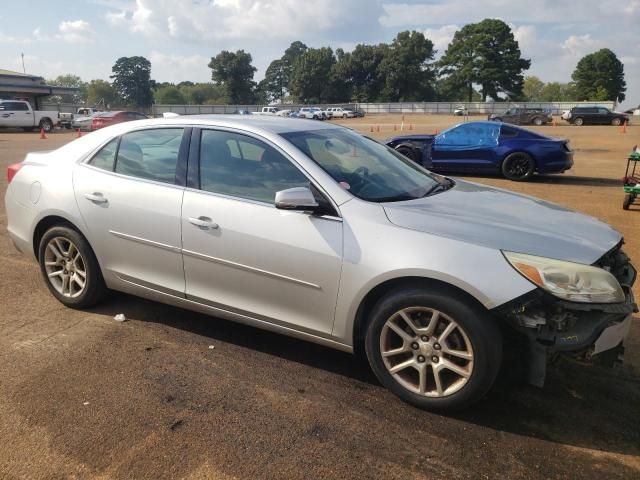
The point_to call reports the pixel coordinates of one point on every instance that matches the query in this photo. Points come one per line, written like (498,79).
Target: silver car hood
(505,220)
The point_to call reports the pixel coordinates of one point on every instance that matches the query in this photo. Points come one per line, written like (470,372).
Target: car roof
(272,124)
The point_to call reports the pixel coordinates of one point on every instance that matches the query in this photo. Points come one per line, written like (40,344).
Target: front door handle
(203,222)
(95,197)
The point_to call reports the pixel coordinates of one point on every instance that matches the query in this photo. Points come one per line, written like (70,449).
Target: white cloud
(579,45)
(75,31)
(178,68)
(441,37)
(216,19)
(526,35)
(14,40)
(116,19)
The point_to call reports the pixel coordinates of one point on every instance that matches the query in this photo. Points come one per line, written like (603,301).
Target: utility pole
(23,69)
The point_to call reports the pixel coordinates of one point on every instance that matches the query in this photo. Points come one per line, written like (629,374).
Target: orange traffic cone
(624,127)
(79,133)
(436,132)
(410,126)
(554,122)
(371,128)
(43,136)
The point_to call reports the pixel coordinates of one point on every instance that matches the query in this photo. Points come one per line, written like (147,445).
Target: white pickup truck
(267,111)
(19,114)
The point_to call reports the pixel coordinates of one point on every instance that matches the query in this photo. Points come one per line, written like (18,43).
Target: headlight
(567,280)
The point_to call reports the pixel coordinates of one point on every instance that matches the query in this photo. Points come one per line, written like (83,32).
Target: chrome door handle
(203,222)
(95,197)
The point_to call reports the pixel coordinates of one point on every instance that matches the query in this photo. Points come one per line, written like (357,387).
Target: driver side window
(244,167)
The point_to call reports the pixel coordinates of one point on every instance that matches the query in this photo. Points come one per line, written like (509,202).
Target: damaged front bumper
(590,332)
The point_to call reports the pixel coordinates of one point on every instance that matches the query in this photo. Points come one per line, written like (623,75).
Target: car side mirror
(298,198)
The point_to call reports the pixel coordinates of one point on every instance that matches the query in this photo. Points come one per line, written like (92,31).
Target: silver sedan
(318,232)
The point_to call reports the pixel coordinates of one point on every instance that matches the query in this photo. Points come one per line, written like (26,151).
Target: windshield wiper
(440,187)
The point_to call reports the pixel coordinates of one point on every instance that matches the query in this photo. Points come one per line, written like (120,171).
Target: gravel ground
(84,396)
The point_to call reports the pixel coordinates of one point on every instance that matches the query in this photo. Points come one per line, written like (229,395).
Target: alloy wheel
(65,268)
(426,351)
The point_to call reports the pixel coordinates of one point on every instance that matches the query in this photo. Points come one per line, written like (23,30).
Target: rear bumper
(562,163)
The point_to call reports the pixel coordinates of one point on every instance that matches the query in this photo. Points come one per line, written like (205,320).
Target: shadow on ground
(584,406)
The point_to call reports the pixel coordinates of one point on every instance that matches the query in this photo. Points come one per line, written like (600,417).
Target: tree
(310,80)
(69,80)
(600,76)
(132,80)
(101,92)
(169,95)
(488,55)
(204,93)
(275,82)
(406,69)
(291,55)
(233,71)
(532,89)
(558,92)
(358,72)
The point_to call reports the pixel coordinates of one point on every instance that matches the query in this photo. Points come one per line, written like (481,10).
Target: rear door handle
(203,222)
(95,197)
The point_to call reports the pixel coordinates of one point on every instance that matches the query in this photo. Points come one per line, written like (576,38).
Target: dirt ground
(83,396)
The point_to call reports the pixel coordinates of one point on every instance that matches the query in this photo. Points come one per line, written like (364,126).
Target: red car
(104,119)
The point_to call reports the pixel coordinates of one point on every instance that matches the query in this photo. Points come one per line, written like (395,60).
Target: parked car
(460,111)
(242,112)
(358,113)
(339,112)
(487,147)
(105,119)
(267,111)
(19,114)
(523,116)
(318,232)
(314,113)
(594,116)
(67,119)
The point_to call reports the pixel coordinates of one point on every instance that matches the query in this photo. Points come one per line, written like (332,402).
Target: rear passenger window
(508,131)
(150,154)
(105,158)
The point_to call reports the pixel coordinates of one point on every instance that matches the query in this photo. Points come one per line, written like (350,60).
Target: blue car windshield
(369,170)
(468,136)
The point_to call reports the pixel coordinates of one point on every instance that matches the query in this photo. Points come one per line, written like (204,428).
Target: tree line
(482,61)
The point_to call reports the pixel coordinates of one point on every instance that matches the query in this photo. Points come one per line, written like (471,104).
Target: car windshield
(369,170)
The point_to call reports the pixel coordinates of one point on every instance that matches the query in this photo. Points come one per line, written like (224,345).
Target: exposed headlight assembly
(567,280)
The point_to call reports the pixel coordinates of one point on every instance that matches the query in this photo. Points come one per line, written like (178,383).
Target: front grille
(618,263)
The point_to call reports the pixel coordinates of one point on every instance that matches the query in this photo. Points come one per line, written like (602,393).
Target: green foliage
(101,93)
(68,80)
(234,72)
(169,95)
(532,89)
(310,79)
(600,76)
(132,80)
(275,82)
(488,55)
(359,72)
(558,92)
(406,69)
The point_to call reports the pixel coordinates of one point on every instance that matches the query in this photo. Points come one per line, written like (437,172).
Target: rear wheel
(616,122)
(537,121)
(46,125)
(578,121)
(408,151)
(518,166)
(70,268)
(628,200)
(434,349)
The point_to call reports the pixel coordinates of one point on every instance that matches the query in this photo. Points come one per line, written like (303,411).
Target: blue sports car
(487,147)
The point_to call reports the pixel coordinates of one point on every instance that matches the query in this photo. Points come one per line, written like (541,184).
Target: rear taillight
(12,170)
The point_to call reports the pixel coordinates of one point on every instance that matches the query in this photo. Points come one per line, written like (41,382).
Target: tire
(475,335)
(628,200)
(57,253)
(616,122)
(578,121)
(315,117)
(408,151)
(46,125)
(518,166)
(344,116)
(537,121)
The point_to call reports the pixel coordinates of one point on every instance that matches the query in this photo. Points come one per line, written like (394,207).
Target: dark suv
(594,116)
(523,116)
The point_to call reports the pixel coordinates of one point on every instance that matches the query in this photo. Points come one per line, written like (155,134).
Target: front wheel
(70,269)
(434,349)
(537,121)
(616,122)
(518,166)
(578,121)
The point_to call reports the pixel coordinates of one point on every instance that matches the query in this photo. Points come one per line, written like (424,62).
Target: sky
(86,37)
